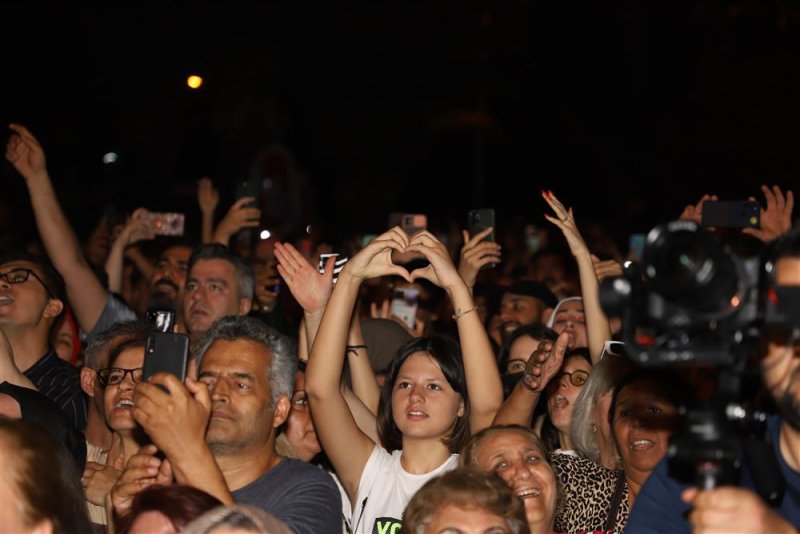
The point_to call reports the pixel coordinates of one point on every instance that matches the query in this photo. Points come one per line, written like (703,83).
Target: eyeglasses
(576,378)
(20,275)
(113,376)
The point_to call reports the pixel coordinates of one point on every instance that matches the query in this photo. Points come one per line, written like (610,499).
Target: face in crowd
(212,292)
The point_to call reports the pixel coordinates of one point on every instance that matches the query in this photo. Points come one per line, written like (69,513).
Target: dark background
(627,110)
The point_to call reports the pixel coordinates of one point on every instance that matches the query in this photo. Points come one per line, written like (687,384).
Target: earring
(594,428)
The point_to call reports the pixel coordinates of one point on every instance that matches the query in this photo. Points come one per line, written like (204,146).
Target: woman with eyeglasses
(561,393)
(117,381)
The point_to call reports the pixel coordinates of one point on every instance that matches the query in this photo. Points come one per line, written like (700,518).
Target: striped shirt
(60,382)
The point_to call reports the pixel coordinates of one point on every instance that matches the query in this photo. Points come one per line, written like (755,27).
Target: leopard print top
(588,489)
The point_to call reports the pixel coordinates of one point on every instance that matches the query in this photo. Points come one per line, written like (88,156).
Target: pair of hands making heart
(375,259)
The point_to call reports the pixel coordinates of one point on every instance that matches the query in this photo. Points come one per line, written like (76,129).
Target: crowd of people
(308,406)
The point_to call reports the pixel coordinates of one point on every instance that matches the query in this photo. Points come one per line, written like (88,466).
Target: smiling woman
(518,456)
(643,416)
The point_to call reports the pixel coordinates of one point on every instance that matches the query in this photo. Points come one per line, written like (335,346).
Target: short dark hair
(101,344)
(466,488)
(45,477)
(53,281)
(179,503)
(536,331)
(245,278)
(447,355)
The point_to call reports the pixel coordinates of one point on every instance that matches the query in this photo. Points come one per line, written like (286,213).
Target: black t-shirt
(61,383)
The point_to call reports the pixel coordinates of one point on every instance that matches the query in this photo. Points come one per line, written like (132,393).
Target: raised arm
(86,294)
(597,325)
(207,199)
(542,365)
(475,254)
(347,447)
(480,368)
(136,229)
(239,216)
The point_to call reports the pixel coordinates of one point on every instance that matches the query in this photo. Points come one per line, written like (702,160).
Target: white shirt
(385,489)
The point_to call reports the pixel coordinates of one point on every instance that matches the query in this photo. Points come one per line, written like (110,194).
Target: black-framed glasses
(113,376)
(20,275)
(576,378)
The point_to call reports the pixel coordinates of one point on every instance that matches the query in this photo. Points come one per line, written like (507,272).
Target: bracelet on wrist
(460,313)
(354,349)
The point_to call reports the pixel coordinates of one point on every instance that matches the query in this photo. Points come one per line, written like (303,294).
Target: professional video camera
(693,301)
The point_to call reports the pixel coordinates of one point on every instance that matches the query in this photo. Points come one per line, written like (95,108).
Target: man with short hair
(218,433)
(31,300)
(663,503)
(219,283)
(525,302)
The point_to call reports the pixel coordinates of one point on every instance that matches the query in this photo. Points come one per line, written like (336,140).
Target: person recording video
(665,505)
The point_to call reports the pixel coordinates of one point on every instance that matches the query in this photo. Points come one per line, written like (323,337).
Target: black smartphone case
(166,352)
(731,214)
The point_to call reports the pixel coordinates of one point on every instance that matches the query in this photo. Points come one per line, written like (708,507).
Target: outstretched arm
(86,294)
(597,326)
(480,368)
(346,446)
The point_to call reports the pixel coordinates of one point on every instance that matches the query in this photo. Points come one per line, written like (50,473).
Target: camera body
(692,300)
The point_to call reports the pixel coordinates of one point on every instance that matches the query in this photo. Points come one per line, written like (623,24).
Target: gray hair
(241,517)
(245,278)
(604,376)
(282,348)
(100,345)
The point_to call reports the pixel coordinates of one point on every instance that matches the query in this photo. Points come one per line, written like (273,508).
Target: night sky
(626,110)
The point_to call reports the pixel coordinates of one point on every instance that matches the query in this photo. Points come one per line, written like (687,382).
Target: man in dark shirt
(31,300)
(218,433)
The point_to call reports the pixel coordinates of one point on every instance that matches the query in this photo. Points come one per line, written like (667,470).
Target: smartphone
(161,319)
(636,247)
(337,266)
(166,223)
(731,214)
(479,220)
(404,305)
(166,352)
(411,223)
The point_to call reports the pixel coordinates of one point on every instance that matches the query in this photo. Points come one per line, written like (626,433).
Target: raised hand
(475,254)
(606,268)
(694,213)
(136,229)
(776,220)
(566,223)
(376,258)
(176,419)
(239,216)
(267,285)
(25,153)
(544,363)
(207,195)
(441,270)
(309,287)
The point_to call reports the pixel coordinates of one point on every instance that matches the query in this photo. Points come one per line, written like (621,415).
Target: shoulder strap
(616,500)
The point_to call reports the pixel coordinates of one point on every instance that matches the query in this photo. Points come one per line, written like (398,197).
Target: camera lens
(690,268)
